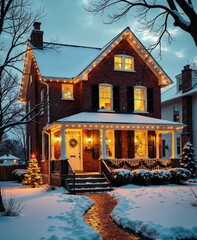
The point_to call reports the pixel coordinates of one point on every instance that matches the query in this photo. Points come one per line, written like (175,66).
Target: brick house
(179,104)
(101,103)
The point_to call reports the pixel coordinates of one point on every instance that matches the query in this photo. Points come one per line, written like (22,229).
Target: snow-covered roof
(8,157)
(115,118)
(171,93)
(64,61)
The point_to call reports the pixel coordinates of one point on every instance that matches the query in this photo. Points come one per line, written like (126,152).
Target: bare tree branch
(153,15)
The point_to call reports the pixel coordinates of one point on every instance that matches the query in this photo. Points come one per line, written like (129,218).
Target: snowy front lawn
(46,215)
(158,212)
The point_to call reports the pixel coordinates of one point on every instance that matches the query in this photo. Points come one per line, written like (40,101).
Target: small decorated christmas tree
(33,176)
(188,159)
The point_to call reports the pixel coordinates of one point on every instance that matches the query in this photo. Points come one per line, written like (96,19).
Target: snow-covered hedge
(121,177)
(160,176)
(142,176)
(179,175)
(19,174)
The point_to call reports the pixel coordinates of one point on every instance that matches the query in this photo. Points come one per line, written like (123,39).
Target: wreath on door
(73,142)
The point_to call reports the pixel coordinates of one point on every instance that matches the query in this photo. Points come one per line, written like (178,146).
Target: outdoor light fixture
(89,140)
(57,139)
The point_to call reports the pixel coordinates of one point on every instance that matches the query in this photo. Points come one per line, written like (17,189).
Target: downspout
(48,98)
(45,131)
(49,158)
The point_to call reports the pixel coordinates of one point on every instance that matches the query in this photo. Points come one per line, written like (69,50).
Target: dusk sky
(68,21)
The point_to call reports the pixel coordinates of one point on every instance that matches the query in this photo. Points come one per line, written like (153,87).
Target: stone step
(87,183)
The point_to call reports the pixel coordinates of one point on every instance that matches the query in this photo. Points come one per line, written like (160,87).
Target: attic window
(123,63)
(67,91)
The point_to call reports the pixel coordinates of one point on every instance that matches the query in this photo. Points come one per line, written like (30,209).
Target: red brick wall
(124,144)
(102,73)
(89,164)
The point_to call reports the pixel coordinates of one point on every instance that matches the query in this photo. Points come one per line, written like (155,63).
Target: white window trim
(145,97)
(70,99)
(123,56)
(111,100)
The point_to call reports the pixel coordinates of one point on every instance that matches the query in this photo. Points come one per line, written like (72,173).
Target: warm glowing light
(58,139)
(89,139)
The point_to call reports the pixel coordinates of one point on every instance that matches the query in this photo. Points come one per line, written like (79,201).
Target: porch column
(52,148)
(63,144)
(104,155)
(174,145)
(157,145)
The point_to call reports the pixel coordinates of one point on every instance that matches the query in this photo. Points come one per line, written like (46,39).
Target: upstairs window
(67,91)
(176,113)
(123,63)
(179,83)
(105,97)
(140,99)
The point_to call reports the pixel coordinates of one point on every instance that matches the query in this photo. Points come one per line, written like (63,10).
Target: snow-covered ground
(159,212)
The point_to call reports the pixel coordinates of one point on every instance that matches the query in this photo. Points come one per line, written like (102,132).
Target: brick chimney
(186,78)
(187,105)
(37,36)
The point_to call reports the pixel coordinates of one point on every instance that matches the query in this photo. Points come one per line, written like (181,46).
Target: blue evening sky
(68,21)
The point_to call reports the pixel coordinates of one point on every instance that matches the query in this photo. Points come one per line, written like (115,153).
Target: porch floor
(87,173)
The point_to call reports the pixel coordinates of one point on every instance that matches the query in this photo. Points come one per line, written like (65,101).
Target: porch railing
(105,170)
(70,179)
(142,163)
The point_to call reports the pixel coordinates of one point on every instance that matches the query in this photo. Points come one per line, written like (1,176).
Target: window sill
(70,99)
(123,70)
(141,112)
(105,110)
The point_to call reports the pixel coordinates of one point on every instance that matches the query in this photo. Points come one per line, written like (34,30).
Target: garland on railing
(142,163)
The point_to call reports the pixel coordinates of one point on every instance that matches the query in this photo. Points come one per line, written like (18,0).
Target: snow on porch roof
(116,118)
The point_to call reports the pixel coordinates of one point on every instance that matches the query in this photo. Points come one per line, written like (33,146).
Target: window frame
(111,97)
(71,87)
(145,143)
(123,63)
(176,112)
(145,99)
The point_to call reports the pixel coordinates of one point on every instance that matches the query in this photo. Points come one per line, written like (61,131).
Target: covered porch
(85,138)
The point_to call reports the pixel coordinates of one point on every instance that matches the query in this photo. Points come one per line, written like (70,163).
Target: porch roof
(115,119)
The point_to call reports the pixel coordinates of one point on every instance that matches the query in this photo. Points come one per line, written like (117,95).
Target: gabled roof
(69,62)
(63,61)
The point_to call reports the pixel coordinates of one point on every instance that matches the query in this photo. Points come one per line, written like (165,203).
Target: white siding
(194,122)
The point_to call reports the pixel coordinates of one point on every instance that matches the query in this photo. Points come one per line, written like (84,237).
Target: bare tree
(153,15)
(19,133)
(16,21)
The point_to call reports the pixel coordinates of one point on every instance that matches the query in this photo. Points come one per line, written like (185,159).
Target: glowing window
(123,63)
(105,97)
(110,143)
(140,141)
(67,91)
(140,98)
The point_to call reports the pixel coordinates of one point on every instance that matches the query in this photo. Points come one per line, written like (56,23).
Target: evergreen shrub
(121,177)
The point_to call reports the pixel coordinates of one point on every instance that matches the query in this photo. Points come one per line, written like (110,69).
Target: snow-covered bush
(142,176)
(121,177)
(19,174)
(161,176)
(179,175)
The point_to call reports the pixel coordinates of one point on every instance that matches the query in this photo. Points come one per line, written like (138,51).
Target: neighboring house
(101,103)
(179,104)
(8,160)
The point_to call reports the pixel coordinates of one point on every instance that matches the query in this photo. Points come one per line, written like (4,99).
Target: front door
(73,149)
